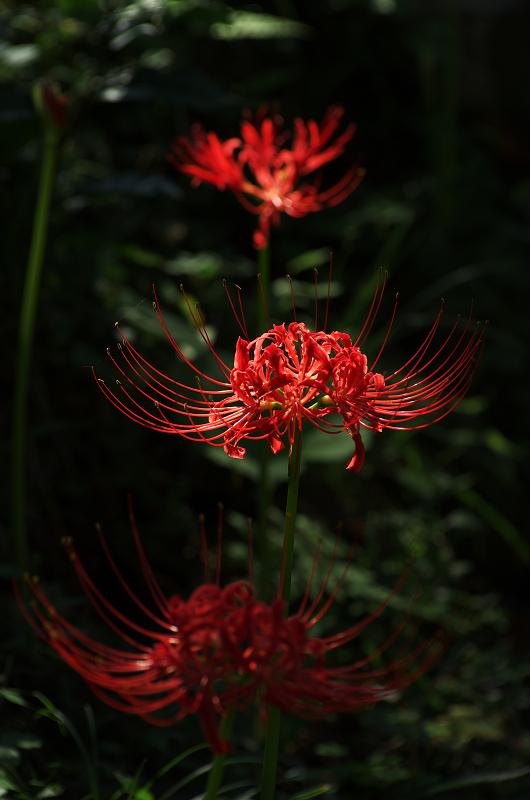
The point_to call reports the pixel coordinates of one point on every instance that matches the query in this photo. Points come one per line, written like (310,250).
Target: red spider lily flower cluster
(276,171)
(289,375)
(221,649)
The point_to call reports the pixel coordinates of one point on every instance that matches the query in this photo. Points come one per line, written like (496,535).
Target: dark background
(440,93)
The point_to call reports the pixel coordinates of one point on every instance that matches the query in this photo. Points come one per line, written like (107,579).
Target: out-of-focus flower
(289,375)
(266,170)
(51,105)
(221,649)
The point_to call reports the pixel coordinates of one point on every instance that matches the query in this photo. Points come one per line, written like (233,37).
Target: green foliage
(444,207)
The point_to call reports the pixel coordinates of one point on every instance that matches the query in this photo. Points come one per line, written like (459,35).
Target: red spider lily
(275,171)
(289,375)
(52,103)
(221,649)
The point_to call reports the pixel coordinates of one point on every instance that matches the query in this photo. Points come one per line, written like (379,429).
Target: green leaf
(50,791)
(14,696)
(25,741)
(6,784)
(330,750)
(249,25)
(9,754)
(312,792)
(470,780)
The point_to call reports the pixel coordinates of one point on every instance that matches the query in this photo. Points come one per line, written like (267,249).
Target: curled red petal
(357,461)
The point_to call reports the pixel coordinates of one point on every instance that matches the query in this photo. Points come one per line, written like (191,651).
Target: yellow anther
(154,304)
(118,382)
(119,346)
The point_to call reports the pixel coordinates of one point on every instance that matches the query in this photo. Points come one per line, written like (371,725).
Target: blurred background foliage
(439,90)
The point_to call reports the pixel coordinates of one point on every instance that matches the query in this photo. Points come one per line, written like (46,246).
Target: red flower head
(51,104)
(275,171)
(289,375)
(220,650)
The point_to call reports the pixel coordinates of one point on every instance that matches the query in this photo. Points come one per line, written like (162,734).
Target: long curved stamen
(289,374)
(226,649)
(365,330)
(264,300)
(329,291)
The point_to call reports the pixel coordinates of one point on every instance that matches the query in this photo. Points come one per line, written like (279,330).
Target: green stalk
(265,488)
(264,270)
(265,493)
(25,344)
(290,515)
(272,737)
(215,777)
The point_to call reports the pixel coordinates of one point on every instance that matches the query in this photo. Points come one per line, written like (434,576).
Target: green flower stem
(265,493)
(215,777)
(265,488)
(290,514)
(270,757)
(272,737)
(264,270)
(25,344)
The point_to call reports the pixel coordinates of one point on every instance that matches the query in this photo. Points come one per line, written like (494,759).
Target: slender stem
(265,493)
(215,777)
(25,345)
(290,515)
(265,487)
(270,756)
(264,269)
(272,737)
